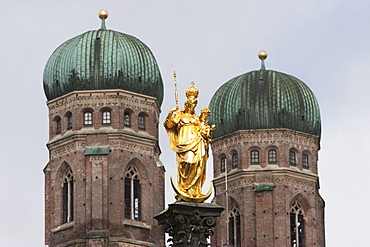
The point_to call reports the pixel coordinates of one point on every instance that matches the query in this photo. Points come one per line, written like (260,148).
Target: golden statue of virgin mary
(190,135)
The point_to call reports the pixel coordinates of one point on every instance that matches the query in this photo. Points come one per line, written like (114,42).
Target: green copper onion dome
(264,99)
(102,59)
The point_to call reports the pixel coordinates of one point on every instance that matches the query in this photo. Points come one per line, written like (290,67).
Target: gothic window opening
(223,164)
(292,158)
(141,122)
(255,157)
(235,161)
(106,118)
(70,122)
(59,126)
(305,161)
(297,225)
(272,156)
(132,194)
(88,118)
(127,119)
(234,227)
(67,196)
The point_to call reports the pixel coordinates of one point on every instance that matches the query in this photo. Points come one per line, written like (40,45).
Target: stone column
(189,224)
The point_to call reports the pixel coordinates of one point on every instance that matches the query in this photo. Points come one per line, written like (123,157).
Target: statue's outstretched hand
(169,123)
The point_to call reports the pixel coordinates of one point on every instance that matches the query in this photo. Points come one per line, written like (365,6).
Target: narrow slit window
(67,196)
(141,122)
(70,122)
(255,157)
(106,118)
(59,126)
(132,194)
(305,161)
(272,156)
(235,160)
(297,225)
(223,164)
(88,118)
(127,119)
(234,227)
(292,158)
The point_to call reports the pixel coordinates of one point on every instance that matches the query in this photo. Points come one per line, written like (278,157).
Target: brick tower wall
(99,156)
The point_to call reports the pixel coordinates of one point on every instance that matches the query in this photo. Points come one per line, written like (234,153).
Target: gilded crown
(192,92)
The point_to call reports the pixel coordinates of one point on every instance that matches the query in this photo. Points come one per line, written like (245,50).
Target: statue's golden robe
(184,130)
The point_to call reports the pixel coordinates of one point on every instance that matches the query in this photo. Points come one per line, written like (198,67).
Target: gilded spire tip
(262,55)
(103,14)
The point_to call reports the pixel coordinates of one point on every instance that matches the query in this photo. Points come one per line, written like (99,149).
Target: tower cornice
(283,176)
(266,137)
(117,139)
(103,98)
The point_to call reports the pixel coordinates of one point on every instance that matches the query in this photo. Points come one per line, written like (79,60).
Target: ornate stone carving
(96,159)
(189,224)
(67,148)
(234,184)
(59,149)
(277,180)
(298,183)
(97,242)
(123,245)
(273,137)
(145,149)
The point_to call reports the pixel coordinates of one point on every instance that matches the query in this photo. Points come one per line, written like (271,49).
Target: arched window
(88,118)
(59,125)
(141,122)
(234,227)
(67,196)
(223,164)
(127,119)
(255,157)
(305,161)
(106,117)
(234,161)
(297,225)
(70,122)
(272,156)
(292,158)
(132,194)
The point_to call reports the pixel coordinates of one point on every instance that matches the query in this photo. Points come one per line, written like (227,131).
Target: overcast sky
(323,43)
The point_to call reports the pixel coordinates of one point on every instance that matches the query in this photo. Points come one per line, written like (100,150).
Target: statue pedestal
(189,224)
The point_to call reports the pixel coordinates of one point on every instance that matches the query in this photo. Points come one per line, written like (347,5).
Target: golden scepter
(176,93)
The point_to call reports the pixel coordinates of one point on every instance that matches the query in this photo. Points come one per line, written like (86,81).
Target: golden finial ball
(262,55)
(103,14)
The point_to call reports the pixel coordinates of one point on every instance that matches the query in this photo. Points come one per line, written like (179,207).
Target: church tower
(104,92)
(265,152)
